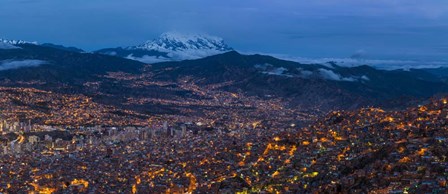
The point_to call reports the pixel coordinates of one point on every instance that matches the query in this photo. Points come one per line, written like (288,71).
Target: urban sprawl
(369,150)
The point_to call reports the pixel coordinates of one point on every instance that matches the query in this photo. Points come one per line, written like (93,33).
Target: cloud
(15,64)
(7,46)
(331,75)
(365,78)
(148,59)
(193,54)
(176,56)
(387,64)
(383,64)
(271,70)
(320,73)
(278,71)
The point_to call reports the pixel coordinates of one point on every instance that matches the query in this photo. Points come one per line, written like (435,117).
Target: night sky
(374,29)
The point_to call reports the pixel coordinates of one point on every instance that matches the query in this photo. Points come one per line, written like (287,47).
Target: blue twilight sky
(380,29)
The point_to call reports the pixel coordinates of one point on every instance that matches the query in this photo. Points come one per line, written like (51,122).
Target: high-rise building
(184,130)
(165,125)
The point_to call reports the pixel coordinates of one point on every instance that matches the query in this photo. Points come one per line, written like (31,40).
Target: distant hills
(306,86)
(59,64)
(61,47)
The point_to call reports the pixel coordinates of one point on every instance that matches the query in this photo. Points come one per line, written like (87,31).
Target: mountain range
(171,46)
(113,80)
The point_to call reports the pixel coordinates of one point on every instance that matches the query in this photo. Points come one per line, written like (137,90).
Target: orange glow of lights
(405,160)
(422,151)
(80,182)
(192,185)
(293,149)
(134,188)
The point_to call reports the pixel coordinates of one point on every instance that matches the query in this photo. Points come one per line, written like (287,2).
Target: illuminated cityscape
(290,96)
(365,150)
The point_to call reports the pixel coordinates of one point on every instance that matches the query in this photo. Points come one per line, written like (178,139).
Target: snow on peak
(174,41)
(16,42)
(178,46)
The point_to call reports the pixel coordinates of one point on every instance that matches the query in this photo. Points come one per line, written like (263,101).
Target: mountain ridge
(334,85)
(300,86)
(171,47)
(172,41)
(17,42)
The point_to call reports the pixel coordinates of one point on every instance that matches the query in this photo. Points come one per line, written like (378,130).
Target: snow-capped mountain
(15,42)
(181,42)
(172,46)
(12,44)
